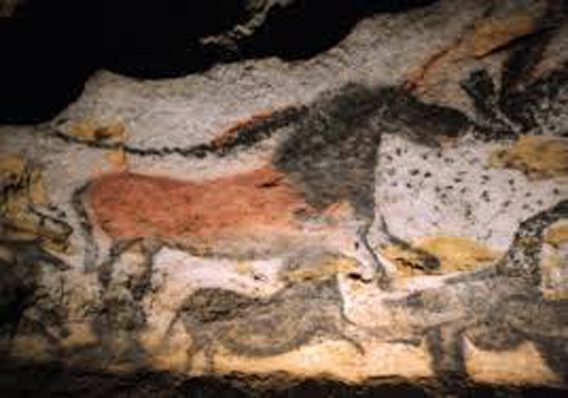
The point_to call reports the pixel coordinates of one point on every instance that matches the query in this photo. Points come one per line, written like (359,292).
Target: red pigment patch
(232,133)
(129,205)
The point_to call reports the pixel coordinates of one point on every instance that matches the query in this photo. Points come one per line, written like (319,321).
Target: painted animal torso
(317,191)
(258,206)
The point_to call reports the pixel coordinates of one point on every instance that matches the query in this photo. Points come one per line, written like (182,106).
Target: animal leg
(124,283)
(343,318)
(143,281)
(116,250)
(445,344)
(337,333)
(85,227)
(555,354)
(210,358)
(372,264)
(196,346)
(148,248)
(425,260)
(197,342)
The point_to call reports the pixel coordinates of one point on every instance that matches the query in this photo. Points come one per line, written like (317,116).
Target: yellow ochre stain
(553,280)
(115,132)
(553,295)
(244,268)
(90,130)
(554,264)
(455,254)
(536,156)
(118,159)
(492,33)
(27,189)
(557,234)
(12,166)
(322,269)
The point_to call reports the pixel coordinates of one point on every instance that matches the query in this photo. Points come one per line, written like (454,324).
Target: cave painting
(497,308)
(315,197)
(306,308)
(317,192)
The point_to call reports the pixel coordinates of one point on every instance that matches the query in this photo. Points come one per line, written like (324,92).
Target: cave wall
(382,207)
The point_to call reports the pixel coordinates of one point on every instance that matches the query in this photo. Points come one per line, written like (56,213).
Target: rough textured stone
(390,208)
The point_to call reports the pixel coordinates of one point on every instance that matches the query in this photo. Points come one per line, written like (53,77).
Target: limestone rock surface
(385,213)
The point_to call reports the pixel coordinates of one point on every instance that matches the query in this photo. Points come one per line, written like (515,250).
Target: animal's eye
(356,245)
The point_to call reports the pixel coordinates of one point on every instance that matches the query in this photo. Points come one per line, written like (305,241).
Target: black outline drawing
(331,156)
(262,327)
(497,308)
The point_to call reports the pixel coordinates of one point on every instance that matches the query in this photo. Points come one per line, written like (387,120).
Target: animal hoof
(361,276)
(424,261)
(429,262)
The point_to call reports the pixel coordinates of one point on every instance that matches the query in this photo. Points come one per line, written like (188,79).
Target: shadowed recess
(57,381)
(49,48)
